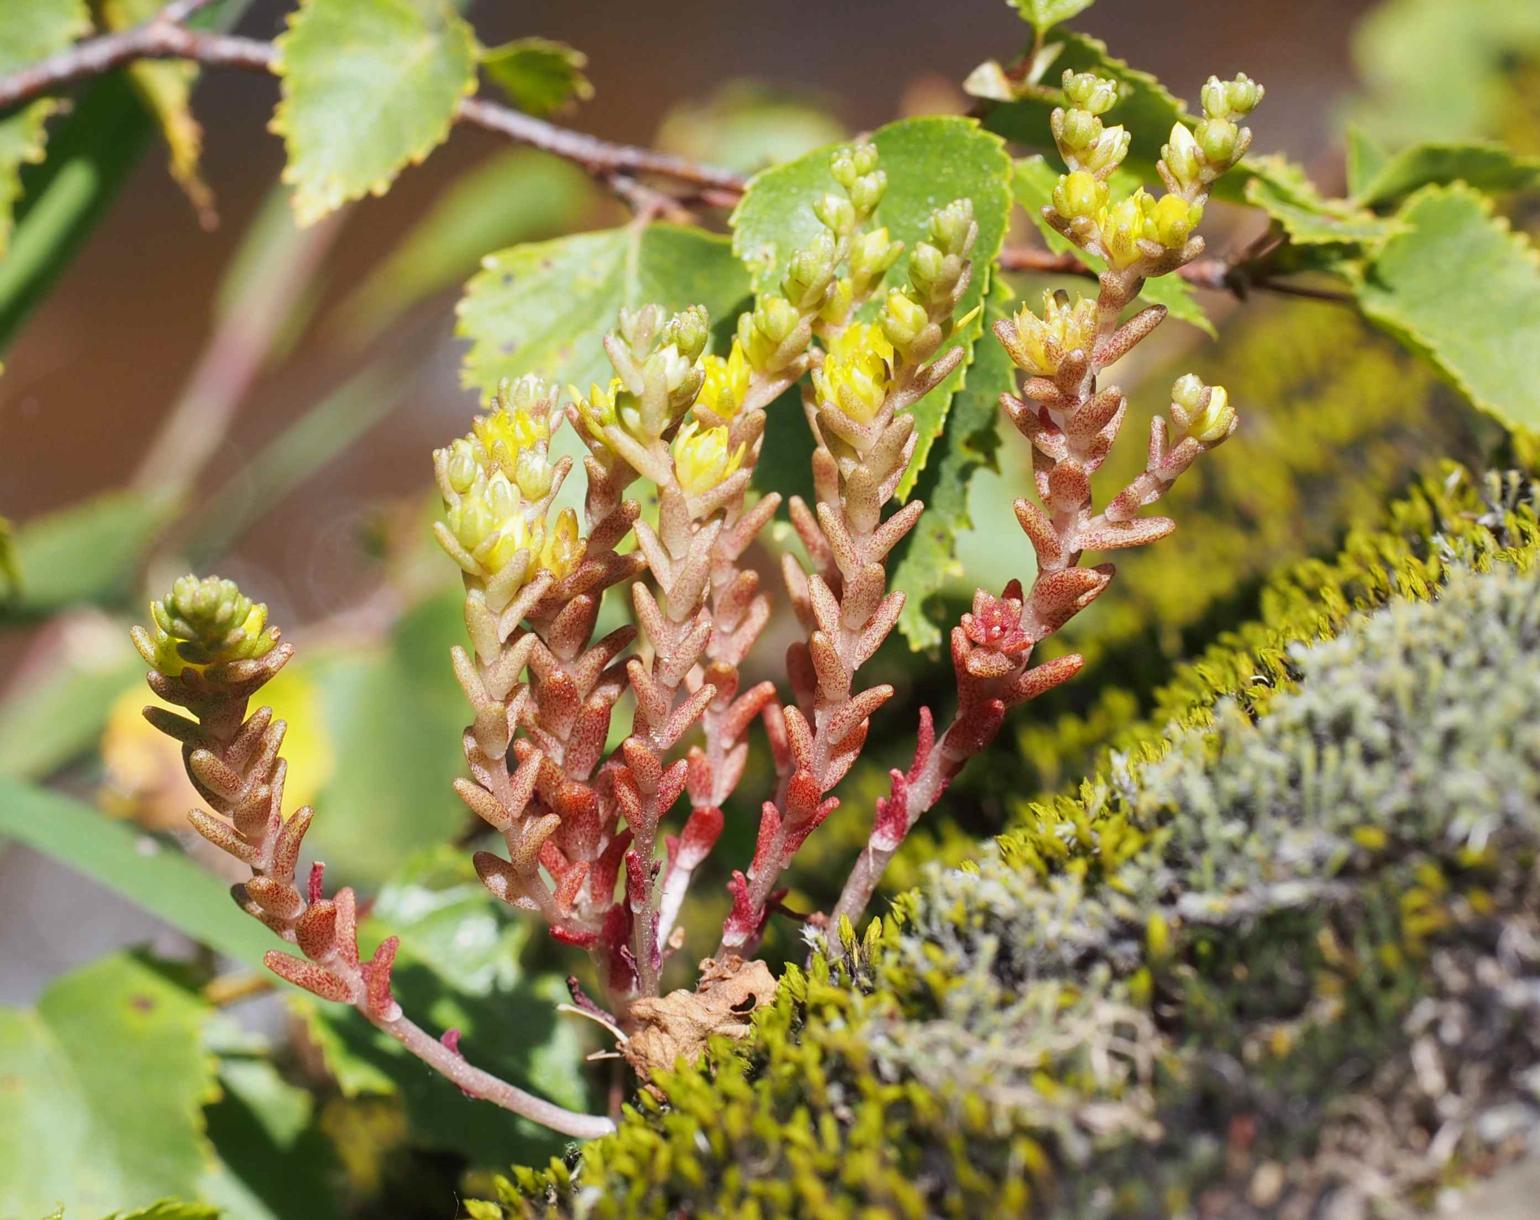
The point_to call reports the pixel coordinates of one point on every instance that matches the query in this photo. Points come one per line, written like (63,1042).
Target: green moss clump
(1261,965)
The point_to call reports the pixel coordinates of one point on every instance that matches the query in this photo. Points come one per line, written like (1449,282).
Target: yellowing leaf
(545,307)
(166,86)
(1458,286)
(369,87)
(30,30)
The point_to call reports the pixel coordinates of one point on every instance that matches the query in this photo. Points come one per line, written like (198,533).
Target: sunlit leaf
(369,87)
(929,162)
(1460,287)
(545,308)
(104,1085)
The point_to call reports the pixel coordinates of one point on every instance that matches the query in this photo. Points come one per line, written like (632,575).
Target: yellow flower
(563,549)
(701,459)
(1172,220)
(856,372)
(726,384)
(1043,343)
(1122,225)
(489,521)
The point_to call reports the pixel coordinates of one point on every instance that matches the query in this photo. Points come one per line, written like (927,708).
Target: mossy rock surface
(1281,960)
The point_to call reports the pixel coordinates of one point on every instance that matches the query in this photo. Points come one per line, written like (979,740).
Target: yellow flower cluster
(726,385)
(496,483)
(1041,343)
(857,372)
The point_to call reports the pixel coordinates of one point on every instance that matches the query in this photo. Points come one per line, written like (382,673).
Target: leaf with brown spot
(678,1025)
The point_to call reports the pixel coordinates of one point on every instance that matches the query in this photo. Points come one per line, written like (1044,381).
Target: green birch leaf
(1485,166)
(1286,194)
(538,75)
(458,967)
(170,1209)
(929,162)
(1041,14)
(928,561)
(1032,183)
(1459,287)
(142,869)
(545,308)
(104,1086)
(369,87)
(1365,157)
(30,30)
(1147,108)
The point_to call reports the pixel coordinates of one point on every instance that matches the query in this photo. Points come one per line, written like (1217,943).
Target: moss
(1314,981)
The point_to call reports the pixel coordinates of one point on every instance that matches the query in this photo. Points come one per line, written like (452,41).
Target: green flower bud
(1172,221)
(204,622)
(688,331)
(1183,157)
(836,212)
(841,299)
(853,162)
(1107,153)
(1218,139)
(1231,99)
(867,192)
(927,266)
(1090,92)
(462,465)
(761,333)
(1079,194)
(810,270)
(871,254)
(1080,129)
(952,228)
(903,319)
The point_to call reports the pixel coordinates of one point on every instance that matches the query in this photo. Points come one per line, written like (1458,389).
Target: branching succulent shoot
(590,842)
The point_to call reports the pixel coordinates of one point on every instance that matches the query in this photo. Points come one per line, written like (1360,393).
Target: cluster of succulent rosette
(584,817)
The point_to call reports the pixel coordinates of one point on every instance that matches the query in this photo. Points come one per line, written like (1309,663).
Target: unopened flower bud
(1079,194)
(204,622)
(1231,99)
(762,332)
(1217,420)
(1183,157)
(1122,225)
(810,270)
(837,306)
(850,163)
(836,212)
(1172,221)
(563,549)
(1108,151)
(1218,139)
(866,193)
(871,254)
(1080,129)
(461,465)
(903,319)
(927,265)
(687,331)
(1090,92)
(1187,393)
(952,228)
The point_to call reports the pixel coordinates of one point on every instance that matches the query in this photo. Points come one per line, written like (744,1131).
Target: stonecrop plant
(604,764)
